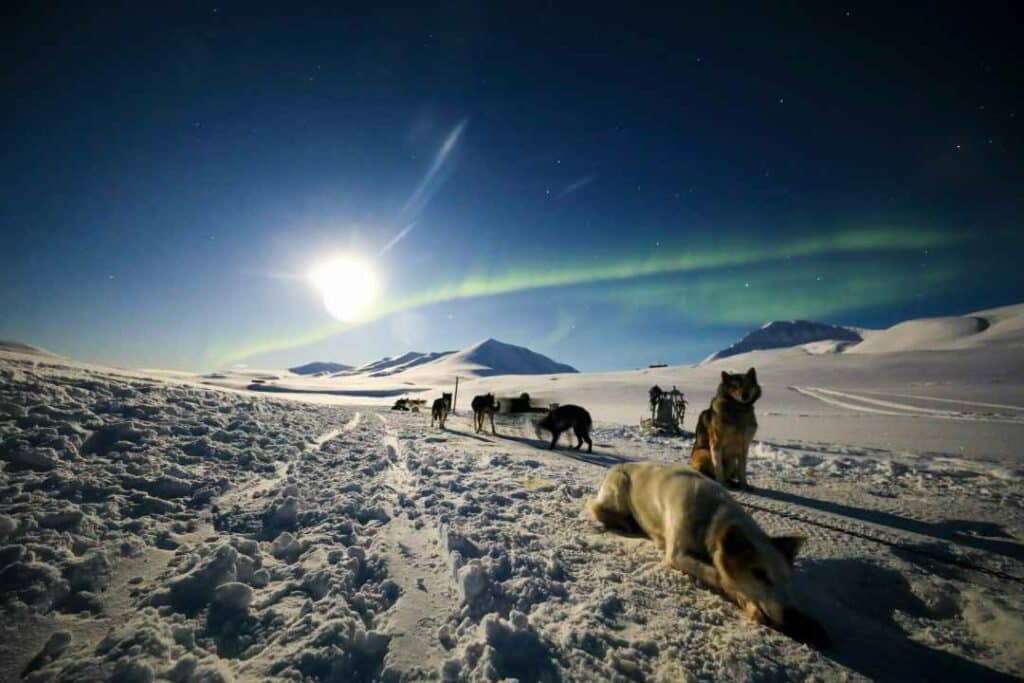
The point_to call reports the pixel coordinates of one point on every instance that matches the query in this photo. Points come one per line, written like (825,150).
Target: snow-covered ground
(152,525)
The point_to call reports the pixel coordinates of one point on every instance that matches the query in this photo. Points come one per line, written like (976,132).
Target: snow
(491,357)
(785,333)
(997,326)
(485,358)
(319,368)
(388,378)
(993,327)
(153,525)
(23,349)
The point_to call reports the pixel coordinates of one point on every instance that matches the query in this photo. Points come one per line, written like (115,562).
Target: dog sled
(668,408)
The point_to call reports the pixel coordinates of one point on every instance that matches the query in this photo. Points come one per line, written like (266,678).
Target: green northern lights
(728,279)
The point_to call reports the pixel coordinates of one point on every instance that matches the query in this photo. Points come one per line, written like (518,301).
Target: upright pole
(455,398)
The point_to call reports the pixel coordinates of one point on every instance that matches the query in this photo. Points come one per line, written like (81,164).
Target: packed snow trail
(866,404)
(418,563)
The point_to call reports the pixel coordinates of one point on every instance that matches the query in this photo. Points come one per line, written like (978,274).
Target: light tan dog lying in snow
(705,533)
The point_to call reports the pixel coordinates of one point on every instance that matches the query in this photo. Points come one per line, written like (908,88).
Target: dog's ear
(734,541)
(752,374)
(725,376)
(788,546)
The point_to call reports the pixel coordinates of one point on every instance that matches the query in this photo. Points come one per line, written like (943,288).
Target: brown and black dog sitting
(725,430)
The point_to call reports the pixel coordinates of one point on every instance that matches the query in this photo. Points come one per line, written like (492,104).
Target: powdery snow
(152,526)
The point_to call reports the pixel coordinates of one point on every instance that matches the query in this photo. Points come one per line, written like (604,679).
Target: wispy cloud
(397,238)
(578,184)
(435,176)
(428,186)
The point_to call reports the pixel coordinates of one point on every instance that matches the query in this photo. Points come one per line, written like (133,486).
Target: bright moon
(348,286)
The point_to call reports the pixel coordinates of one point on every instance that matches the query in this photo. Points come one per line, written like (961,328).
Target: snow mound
(926,333)
(995,326)
(319,367)
(785,333)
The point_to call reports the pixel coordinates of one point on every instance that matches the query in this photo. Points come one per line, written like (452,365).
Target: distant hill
(319,367)
(388,365)
(483,359)
(1002,326)
(492,357)
(22,348)
(785,333)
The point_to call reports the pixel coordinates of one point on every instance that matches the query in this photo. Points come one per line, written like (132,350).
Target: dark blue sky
(619,187)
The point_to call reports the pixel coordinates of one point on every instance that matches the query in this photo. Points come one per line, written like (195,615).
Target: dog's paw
(755,614)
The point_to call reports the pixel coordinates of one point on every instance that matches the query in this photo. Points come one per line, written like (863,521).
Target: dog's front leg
(493,432)
(717,460)
(743,469)
(688,564)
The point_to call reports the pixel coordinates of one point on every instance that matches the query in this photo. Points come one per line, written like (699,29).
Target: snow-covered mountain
(27,349)
(319,367)
(388,365)
(492,357)
(484,359)
(784,333)
(1003,326)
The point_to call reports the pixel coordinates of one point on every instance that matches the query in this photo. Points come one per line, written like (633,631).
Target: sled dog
(725,430)
(705,533)
(561,419)
(439,410)
(482,406)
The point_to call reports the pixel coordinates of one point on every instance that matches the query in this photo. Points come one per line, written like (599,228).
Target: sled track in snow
(417,562)
(879,406)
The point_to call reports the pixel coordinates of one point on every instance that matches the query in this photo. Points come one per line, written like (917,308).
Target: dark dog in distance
(439,411)
(563,418)
(482,406)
